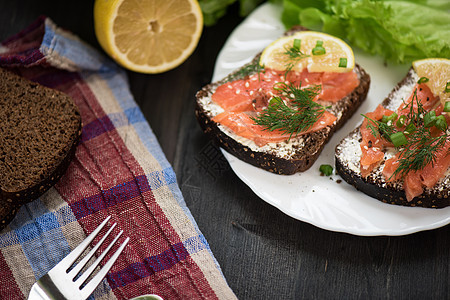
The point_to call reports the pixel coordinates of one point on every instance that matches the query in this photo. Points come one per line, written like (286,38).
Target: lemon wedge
(437,70)
(315,51)
(148,36)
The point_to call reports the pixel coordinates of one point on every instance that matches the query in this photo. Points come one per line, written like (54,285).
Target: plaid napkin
(118,170)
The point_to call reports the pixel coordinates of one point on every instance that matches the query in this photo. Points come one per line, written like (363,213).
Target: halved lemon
(148,36)
(316,51)
(437,70)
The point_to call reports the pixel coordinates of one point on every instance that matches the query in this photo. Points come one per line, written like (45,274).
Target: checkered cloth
(118,170)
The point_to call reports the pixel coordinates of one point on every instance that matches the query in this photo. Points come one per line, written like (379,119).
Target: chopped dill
(294,116)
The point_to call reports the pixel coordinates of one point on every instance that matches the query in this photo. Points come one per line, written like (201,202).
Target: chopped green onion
(447,87)
(342,62)
(318,49)
(410,128)
(278,86)
(423,80)
(429,118)
(297,44)
(327,170)
(392,117)
(447,106)
(441,123)
(401,121)
(398,139)
(275,100)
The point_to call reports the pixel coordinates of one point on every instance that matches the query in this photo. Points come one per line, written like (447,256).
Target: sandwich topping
(279,97)
(419,135)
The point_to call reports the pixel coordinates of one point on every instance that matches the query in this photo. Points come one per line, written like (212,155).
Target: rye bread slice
(291,157)
(40,128)
(348,154)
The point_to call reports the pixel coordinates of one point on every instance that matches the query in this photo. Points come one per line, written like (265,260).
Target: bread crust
(312,145)
(12,198)
(376,186)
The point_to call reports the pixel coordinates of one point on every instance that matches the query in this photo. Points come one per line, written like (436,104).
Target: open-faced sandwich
(400,153)
(278,111)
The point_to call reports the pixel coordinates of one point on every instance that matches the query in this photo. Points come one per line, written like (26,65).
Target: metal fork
(61,282)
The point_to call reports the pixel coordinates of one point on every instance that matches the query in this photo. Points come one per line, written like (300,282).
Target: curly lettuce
(399,31)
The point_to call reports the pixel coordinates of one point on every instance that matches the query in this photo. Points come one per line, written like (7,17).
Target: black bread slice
(303,151)
(40,128)
(347,158)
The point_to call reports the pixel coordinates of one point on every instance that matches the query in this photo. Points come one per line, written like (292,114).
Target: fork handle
(43,288)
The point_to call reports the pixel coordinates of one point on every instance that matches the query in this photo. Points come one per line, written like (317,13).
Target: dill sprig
(249,69)
(294,116)
(293,54)
(380,129)
(421,147)
(419,152)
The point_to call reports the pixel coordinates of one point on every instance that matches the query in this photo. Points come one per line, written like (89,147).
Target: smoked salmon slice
(238,95)
(242,124)
(412,185)
(371,146)
(246,97)
(425,96)
(335,86)
(428,176)
(389,168)
(431,174)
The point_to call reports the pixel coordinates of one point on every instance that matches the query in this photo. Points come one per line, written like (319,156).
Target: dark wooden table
(264,254)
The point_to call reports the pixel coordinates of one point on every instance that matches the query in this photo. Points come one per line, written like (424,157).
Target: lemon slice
(320,52)
(148,36)
(437,70)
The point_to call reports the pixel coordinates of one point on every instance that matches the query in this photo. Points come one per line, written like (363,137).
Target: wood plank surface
(264,254)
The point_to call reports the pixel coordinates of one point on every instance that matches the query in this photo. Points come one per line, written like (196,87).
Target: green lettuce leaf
(400,31)
(213,10)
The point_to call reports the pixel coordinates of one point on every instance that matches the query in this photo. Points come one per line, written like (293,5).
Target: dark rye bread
(40,128)
(303,150)
(347,158)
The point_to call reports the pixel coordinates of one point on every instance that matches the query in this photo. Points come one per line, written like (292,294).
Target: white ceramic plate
(307,196)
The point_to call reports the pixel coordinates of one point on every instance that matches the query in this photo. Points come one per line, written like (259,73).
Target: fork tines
(80,280)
